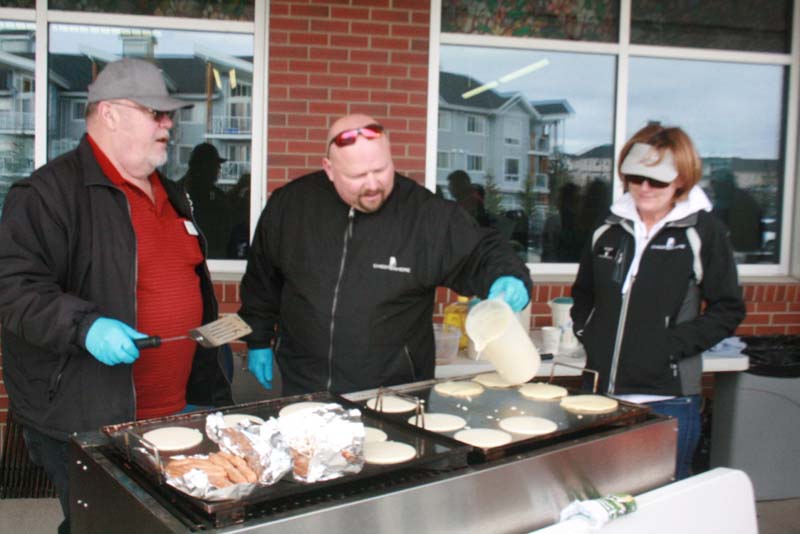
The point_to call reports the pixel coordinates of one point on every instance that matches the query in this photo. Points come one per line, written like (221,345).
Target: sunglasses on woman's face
(639,180)
(348,137)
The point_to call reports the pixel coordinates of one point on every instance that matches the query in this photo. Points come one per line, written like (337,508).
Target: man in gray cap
(97,248)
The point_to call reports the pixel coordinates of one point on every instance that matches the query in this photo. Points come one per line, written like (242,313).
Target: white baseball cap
(646,160)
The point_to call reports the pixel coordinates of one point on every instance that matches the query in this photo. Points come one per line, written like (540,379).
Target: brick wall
(328,59)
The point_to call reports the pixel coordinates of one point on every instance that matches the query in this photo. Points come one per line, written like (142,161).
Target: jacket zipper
(410,363)
(623,314)
(135,285)
(348,234)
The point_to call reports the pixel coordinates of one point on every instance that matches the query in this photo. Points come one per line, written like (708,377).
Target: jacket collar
(682,215)
(93,175)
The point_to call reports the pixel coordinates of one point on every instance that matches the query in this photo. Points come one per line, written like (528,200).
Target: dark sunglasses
(348,137)
(157,115)
(639,180)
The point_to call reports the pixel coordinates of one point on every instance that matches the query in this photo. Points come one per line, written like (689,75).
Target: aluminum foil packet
(261,445)
(325,442)
(200,477)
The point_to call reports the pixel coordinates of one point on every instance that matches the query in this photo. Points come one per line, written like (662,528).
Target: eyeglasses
(348,137)
(639,180)
(157,115)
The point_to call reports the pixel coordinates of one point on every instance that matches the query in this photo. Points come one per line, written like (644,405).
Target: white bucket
(559,309)
(499,337)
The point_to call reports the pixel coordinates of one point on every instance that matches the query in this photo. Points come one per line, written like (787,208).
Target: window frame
(441,164)
(476,157)
(477,120)
(43,17)
(623,50)
(507,177)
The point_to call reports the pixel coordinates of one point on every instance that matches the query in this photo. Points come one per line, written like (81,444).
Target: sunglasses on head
(348,137)
(639,180)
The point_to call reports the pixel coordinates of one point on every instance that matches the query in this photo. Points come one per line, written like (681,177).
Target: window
(442,160)
(221,115)
(551,129)
(540,61)
(187,39)
(444,121)
(475,124)
(17,42)
(717,24)
(512,131)
(741,152)
(208,9)
(184,152)
(474,163)
(512,170)
(186,115)
(592,21)
(79,110)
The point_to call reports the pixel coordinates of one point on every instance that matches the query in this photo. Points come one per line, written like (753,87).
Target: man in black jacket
(92,245)
(344,266)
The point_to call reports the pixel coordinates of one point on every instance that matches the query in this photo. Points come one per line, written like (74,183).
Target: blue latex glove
(259,361)
(512,290)
(111,341)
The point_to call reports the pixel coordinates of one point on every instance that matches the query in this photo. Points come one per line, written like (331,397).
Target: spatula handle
(147,342)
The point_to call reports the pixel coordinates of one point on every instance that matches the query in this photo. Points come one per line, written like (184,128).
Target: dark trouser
(51,454)
(687,411)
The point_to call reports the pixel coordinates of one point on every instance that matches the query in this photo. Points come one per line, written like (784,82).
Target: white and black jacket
(351,294)
(681,297)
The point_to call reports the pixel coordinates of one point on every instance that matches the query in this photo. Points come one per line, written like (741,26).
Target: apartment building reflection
(220,85)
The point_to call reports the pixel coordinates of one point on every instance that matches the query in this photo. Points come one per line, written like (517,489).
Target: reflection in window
(722,24)
(18,44)
(546,186)
(442,160)
(474,163)
(733,113)
(513,130)
(444,120)
(207,9)
(560,19)
(210,144)
(512,170)
(474,124)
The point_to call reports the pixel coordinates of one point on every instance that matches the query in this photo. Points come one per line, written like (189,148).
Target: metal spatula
(213,334)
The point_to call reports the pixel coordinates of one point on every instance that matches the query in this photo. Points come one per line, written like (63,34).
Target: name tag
(190,228)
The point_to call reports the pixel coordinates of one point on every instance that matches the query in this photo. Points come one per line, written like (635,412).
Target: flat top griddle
(487,409)
(433,453)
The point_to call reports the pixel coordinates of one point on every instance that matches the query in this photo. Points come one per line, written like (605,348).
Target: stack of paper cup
(551,336)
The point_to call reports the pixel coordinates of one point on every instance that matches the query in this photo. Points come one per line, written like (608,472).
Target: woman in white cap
(657,284)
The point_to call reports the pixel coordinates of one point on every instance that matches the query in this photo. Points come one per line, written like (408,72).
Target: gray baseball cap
(137,80)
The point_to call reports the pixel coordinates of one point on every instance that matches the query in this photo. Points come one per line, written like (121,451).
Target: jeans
(51,454)
(687,411)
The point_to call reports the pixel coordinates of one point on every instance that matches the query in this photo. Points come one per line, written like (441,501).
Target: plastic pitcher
(560,308)
(499,337)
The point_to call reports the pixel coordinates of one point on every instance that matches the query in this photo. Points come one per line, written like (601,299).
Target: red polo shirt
(168,298)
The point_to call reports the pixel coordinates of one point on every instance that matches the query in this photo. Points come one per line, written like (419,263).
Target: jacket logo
(391,266)
(669,245)
(607,253)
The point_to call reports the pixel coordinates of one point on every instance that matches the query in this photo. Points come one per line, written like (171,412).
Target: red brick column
(329,59)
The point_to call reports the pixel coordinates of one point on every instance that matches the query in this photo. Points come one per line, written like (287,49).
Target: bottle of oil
(455,314)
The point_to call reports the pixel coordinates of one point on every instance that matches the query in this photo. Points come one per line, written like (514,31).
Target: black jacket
(658,333)
(67,257)
(352,293)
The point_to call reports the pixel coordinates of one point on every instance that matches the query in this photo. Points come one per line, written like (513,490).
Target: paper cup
(551,336)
